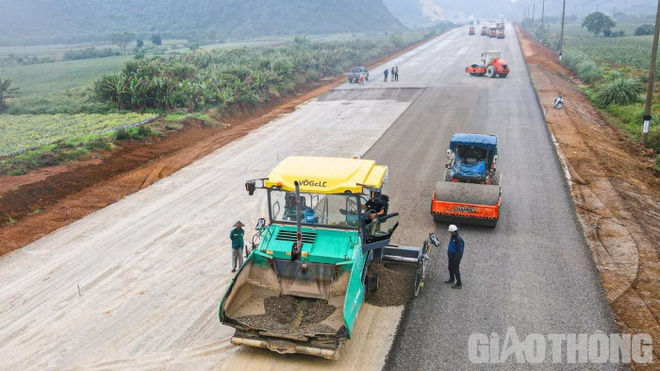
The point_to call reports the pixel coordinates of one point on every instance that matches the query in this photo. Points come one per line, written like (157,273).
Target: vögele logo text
(312,183)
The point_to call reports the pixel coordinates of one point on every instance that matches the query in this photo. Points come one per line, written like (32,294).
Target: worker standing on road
(392,74)
(455,254)
(396,74)
(385,73)
(237,244)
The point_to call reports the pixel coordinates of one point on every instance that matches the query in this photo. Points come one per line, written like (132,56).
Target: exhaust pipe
(298,248)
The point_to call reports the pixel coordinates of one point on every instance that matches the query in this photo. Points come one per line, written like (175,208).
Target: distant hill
(65,21)
(416,13)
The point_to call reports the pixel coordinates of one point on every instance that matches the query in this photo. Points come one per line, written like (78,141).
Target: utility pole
(527,13)
(649,90)
(625,7)
(542,11)
(533,12)
(561,38)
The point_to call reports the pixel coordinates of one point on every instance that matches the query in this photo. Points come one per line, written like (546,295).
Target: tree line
(229,78)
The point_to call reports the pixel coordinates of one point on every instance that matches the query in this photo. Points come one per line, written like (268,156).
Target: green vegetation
(226,79)
(631,51)
(597,22)
(121,39)
(181,116)
(615,69)
(6,91)
(59,87)
(156,39)
(71,149)
(140,132)
(89,53)
(621,91)
(22,132)
(645,29)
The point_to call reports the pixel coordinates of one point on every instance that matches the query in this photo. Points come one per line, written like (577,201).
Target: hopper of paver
(289,306)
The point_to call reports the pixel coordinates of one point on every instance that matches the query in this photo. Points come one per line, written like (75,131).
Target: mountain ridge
(66,21)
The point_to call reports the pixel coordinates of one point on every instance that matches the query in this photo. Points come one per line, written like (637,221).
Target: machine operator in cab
(376,204)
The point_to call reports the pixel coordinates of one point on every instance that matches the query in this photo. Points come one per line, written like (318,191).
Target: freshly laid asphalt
(534,271)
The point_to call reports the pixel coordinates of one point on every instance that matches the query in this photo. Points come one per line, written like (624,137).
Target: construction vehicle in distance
(356,73)
(301,288)
(484,31)
(491,65)
(471,31)
(470,192)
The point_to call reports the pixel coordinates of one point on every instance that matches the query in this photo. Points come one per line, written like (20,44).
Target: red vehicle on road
(471,32)
(492,65)
(500,34)
(484,31)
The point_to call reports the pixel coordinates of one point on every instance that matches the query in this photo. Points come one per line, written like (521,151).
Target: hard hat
(453,228)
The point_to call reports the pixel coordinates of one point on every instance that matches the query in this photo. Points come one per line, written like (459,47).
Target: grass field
(631,51)
(22,132)
(58,87)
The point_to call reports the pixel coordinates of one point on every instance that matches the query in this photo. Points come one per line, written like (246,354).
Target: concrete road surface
(152,267)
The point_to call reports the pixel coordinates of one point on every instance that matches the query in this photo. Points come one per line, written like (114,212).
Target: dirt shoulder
(615,189)
(44,200)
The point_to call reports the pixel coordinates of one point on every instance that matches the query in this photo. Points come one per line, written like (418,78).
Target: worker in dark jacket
(455,254)
(237,243)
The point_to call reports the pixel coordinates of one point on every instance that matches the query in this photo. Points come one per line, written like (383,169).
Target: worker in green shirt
(237,244)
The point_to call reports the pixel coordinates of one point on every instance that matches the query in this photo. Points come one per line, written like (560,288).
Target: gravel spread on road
(395,284)
(289,315)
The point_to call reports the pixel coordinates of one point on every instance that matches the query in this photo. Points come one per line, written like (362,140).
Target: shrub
(145,131)
(588,71)
(89,53)
(98,144)
(47,159)
(645,29)
(18,171)
(122,134)
(173,127)
(571,60)
(72,155)
(625,90)
(612,75)
(653,141)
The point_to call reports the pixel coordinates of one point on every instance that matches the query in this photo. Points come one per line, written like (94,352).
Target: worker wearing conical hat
(237,245)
